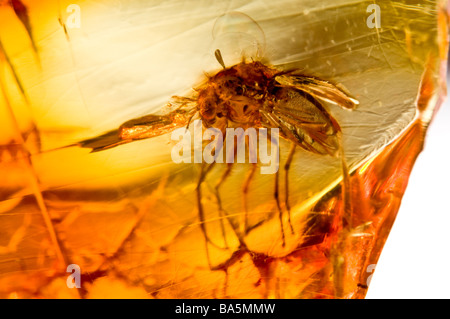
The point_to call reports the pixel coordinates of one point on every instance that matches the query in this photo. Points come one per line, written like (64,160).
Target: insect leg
(346,191)
(245,194)
(190,119)
(276,192)
(286,183)
(201,214)
(219,201)
(339,261)
(280,212)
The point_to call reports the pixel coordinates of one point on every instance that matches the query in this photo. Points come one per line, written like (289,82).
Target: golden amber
(128,216)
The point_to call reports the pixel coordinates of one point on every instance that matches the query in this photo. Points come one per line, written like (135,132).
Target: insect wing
(319,88)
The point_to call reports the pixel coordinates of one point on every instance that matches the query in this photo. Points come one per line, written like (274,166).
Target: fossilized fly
(249,94)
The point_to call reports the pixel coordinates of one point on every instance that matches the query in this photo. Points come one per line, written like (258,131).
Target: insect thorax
(235,95)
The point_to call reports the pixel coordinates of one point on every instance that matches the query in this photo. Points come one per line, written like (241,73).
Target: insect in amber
(248,95)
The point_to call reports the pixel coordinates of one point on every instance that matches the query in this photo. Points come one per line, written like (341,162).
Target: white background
(415,262)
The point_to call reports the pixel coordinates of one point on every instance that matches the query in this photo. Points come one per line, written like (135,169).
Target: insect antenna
(219,58)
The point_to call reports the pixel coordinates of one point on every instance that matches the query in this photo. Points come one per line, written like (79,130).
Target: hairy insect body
(249,95)
(234,96)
